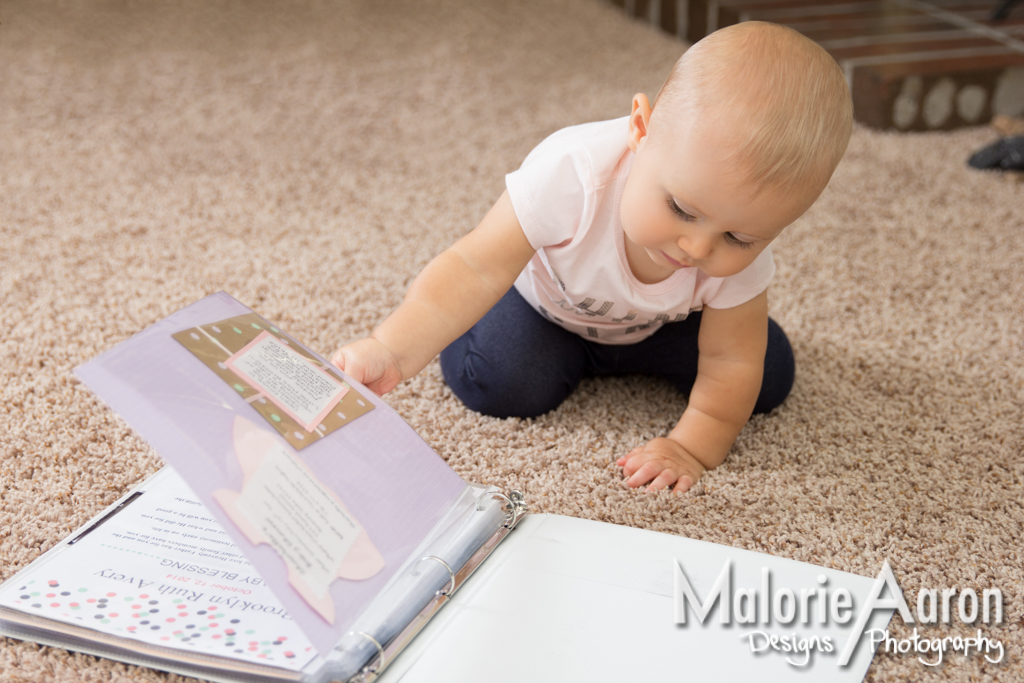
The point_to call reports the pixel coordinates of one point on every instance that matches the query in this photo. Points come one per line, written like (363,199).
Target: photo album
(302,531)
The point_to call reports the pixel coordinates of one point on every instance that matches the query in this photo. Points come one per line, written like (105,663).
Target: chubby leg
(513,362)
(672,353)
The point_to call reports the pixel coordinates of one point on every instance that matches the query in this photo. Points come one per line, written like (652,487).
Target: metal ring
(508,501)
(380,651)
(499,494)
(451,575)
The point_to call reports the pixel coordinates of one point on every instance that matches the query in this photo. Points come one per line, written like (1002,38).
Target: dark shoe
(1006,154)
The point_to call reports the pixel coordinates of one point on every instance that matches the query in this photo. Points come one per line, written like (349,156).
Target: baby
(638,245)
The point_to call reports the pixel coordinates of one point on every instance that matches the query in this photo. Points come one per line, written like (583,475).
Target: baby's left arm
(732,343)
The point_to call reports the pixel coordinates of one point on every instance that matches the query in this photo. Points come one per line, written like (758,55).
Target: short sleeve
(550,191)
(745,285)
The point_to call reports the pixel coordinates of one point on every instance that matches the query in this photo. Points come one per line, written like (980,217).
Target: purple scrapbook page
(320,483)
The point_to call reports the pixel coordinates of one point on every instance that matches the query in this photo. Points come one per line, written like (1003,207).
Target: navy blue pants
(514,363)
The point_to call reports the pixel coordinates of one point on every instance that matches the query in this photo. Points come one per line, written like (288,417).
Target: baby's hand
(370,362)
(662,462)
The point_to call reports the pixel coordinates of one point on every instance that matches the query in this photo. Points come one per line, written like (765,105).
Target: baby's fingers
(665,478)
(648,471)
(625,458)
(632,461)
(684,484)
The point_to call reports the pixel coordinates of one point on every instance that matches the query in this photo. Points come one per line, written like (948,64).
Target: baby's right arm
(448,297)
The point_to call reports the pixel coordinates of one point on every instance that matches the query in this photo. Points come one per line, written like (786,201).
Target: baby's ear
(639,121)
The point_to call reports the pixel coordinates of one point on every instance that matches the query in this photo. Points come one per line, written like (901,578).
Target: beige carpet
(310,157)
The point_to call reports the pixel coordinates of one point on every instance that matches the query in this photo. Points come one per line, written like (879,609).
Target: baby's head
(778,99)
(744,136)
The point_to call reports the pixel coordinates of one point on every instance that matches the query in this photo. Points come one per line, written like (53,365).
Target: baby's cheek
(731,263)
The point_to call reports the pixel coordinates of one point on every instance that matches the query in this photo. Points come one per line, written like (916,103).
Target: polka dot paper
(303,405)
(161,572)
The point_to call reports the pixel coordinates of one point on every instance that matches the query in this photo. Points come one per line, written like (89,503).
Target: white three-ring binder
(304,532)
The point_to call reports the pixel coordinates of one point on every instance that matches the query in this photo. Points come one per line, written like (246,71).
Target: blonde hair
(786,97)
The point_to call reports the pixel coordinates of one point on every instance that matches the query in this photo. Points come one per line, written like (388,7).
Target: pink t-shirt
(566,196)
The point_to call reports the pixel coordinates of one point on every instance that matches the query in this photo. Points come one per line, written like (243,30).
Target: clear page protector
(303,405)
(364,490)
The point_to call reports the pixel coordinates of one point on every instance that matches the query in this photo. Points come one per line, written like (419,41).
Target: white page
(162,572)
(569,599)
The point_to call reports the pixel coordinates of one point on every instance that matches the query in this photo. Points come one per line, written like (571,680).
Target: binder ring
(451,575)
(515,501)
(380,651)
(508,501)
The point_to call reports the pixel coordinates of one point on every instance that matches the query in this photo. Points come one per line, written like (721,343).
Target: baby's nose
(697,247)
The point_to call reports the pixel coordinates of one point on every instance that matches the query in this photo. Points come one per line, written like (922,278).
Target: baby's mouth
(674,262)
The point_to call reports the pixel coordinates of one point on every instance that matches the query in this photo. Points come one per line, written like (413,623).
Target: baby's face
(685,205)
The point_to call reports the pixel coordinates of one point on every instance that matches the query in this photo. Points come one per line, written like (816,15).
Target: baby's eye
(735,241)
(679,212)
